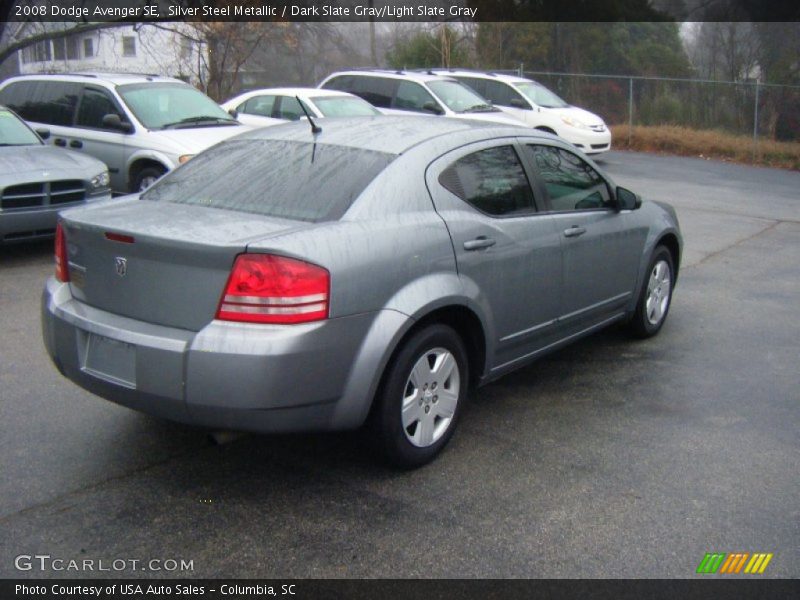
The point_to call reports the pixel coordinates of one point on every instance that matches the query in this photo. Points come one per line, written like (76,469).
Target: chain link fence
(763,111)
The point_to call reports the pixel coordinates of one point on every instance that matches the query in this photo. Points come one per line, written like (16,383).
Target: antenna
(315,129)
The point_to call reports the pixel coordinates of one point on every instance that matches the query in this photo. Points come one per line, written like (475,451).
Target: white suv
(141,126)
(538,107)
(404,92)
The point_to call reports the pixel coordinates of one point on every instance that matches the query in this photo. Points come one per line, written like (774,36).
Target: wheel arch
(140,163)
(467,325)
(670,241)
(389,333)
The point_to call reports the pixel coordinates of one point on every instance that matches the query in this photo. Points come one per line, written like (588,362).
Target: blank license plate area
(108,359)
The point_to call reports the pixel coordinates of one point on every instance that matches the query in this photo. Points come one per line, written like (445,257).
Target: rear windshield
(276,178)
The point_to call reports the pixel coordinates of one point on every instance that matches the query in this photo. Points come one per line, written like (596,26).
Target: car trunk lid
(159,262)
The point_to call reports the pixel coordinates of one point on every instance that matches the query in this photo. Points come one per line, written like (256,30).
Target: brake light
(264,288)
(62,261)
(119,237)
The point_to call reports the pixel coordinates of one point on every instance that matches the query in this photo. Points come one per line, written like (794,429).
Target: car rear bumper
(227,376)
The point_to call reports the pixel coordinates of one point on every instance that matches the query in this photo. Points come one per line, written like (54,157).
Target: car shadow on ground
(252,459)
(24,253)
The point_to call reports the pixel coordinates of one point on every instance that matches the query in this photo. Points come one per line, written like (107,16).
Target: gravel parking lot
(611,458)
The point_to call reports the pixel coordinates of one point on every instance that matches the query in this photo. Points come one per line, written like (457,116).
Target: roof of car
(390,134)
(506,77)
(110,78)
(421,76)
(308,92)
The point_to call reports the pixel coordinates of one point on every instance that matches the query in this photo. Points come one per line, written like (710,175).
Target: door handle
(478,243)
(574,231)
(76,144)
(60,142)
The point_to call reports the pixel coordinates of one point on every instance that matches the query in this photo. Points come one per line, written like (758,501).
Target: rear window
(276,178)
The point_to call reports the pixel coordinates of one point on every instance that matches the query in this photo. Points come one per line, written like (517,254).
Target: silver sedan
(370,273)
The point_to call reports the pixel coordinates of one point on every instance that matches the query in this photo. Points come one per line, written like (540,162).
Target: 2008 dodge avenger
(372,272)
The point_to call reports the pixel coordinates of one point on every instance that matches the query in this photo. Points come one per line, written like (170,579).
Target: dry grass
(707,144)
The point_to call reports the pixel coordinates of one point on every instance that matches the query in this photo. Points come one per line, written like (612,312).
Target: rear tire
(655,297)
(418,405)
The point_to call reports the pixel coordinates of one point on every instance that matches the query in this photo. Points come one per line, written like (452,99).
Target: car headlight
(573,122)
(100,181)
(185,158)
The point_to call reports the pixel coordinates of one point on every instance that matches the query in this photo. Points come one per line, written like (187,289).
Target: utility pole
(373,53)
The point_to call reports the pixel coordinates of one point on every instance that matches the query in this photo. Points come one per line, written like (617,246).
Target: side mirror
(432,107)
(234,113)
(627,200)
(519,103)
(43,133)
(112,121)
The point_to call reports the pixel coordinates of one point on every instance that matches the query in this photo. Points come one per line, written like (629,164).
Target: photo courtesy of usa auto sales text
(143,590)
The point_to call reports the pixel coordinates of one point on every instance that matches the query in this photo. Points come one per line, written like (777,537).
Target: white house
(137,48)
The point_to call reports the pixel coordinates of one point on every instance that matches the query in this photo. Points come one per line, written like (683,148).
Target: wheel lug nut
(436,398)
(427,409)
(433,387)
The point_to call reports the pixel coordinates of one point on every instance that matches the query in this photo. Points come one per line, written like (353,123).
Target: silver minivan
(141,126)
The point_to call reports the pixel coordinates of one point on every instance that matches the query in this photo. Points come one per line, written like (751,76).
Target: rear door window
(479,85)
(378,91)
(343,83)
(16,96)
(258,105)
(289,108)
(278,178)
(502,94)
(50,102)
(492,180)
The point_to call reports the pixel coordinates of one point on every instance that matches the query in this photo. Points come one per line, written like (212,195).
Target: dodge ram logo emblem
(122,265)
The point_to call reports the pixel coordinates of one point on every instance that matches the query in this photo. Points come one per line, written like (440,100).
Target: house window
(59,49)
(88,47)
(186,48)
(66,48)
(73,48)
(128,45)
(38,52)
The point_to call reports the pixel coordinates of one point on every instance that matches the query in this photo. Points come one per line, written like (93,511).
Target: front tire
(421,397)
(146,177)
(655,296)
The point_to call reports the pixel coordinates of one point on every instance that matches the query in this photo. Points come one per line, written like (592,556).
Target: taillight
(264,288)
(62,261)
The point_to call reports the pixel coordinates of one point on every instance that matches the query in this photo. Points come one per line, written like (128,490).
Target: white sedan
(259,108)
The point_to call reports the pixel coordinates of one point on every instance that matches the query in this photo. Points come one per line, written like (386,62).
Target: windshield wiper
(200,119)
(31,144)
(480,108)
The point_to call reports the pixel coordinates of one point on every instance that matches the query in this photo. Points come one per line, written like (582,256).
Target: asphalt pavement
(611,458)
